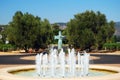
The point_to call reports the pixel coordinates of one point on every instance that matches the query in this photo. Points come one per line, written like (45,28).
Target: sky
(58,10)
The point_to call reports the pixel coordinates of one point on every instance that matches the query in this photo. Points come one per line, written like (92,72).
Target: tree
(27,31)
(46,32)
(89,30)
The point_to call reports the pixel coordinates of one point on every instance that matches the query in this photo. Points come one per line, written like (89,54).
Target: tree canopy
(89,30)
(28,31)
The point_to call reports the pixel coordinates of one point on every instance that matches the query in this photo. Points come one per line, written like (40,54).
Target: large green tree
(89,30)
(46,32)
(26,30)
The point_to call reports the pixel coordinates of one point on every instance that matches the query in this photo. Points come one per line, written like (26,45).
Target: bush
(6,47)
(112,46)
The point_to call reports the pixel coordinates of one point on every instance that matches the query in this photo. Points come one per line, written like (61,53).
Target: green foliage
(56,29)
(46,33)
(89,30)
(111,46)
(6,47)
(27,31)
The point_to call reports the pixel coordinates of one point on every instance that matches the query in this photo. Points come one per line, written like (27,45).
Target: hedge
(112,46)
(6,47)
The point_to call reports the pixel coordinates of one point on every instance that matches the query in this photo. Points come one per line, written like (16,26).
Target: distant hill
(62,25)
(117,27)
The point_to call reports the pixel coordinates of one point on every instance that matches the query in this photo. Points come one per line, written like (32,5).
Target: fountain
(66,65)
(45,63)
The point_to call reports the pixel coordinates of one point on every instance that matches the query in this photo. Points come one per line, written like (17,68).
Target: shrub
(112,46)
(6,47)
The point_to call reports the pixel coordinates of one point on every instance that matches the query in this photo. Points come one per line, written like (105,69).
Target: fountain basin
(5,74)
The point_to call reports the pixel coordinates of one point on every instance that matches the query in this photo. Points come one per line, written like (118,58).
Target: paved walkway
(106,59)
(14,59)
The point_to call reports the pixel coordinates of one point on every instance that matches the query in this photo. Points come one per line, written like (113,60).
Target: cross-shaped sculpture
(59,37)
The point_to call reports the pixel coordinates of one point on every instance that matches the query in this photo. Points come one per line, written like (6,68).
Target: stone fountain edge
(5,74)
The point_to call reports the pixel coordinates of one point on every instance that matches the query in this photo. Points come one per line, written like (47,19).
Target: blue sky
(58,10)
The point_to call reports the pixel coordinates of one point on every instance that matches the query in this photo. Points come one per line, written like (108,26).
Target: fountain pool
(92,72)
(109,73)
